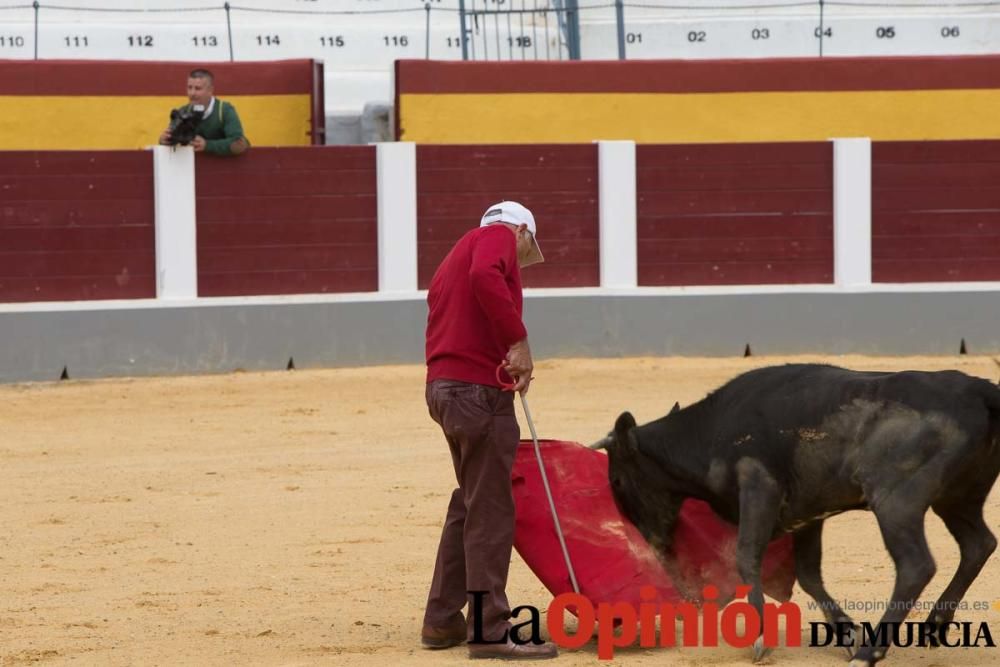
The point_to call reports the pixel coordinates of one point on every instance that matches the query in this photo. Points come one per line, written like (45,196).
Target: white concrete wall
(852,212)
(176,235)
(396,182)
(617,211)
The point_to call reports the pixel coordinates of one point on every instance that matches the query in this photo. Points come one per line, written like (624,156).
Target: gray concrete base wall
(184,339)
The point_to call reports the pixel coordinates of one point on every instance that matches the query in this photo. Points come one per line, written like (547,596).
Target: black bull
(780,449)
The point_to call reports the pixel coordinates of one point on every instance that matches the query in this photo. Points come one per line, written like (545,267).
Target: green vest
(221,129)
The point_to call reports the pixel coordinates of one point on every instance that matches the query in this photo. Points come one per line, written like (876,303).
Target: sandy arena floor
(291,518)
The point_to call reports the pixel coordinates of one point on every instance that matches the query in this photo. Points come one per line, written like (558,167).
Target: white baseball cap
(515,214)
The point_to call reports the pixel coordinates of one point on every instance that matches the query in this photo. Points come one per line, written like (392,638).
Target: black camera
(184,124)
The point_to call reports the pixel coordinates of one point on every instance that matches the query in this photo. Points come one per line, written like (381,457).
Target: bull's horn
(602,443)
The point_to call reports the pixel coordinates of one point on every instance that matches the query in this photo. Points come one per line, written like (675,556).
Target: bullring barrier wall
(827,247)
(685,101)
(104,105)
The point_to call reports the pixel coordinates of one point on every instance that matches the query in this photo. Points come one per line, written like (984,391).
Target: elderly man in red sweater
(474,325)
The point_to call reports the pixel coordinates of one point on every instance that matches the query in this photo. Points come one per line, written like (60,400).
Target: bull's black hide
(780,449)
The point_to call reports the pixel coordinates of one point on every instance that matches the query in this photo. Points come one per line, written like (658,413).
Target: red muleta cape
(610,557)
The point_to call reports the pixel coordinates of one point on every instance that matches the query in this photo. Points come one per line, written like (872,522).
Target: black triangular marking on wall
(65,374)
(746,351)
(962,349)
(291,364)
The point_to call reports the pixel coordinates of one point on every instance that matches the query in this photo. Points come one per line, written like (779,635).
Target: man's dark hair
(202,73)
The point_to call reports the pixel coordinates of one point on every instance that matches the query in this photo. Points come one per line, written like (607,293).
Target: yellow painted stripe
(700,118)
(96,123)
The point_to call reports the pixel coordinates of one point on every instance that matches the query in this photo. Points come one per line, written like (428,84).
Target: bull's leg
(808,556)
(759,505)
(976,543)
(902,524)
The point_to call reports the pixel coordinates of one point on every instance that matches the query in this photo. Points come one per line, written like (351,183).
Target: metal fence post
(461,29)
(820,35)
(573,29)
(427,31)
(620,20)
(35,5)
(229,31)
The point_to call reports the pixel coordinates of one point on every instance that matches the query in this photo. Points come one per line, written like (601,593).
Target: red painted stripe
(926,199)
(980,246)
(76,188)
(946,270)
(750,273)
(935,151)
(699,203)
(318,257)
(286,282)
(75,239)
(73,163)
(736,227)
(288,183)
(699,76)
(648,156)
(525,180)
(502,156)
(88,77)
(271,159)
(736,177)
(936,175)
(46,263)
(560,275)
(64,213)
(359,208)
(76,288)
(285,233)
(947,223)
(734,250)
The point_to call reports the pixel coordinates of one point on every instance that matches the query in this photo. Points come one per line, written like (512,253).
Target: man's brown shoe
(512,651)
(452,634)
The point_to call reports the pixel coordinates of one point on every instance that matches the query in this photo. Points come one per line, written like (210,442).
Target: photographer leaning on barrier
(207,123)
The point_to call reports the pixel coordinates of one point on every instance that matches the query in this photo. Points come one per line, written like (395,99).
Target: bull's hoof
(759,650)
(854,635)
(933,623)
(860,663)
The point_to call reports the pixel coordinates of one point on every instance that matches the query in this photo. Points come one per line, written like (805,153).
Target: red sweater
(474,308)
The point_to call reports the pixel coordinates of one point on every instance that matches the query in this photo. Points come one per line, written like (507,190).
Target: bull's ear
(624,424)
(676,408)
(624,431)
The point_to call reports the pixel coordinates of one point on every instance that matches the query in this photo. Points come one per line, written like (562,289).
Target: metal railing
(551,29)
(517,30)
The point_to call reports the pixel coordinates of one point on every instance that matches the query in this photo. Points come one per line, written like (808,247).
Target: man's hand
(518,365)
(198,144)
(165,138)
